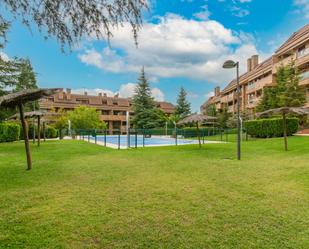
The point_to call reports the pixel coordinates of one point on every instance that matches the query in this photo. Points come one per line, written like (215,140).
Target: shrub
(272,127)
(50,132)
(9,132)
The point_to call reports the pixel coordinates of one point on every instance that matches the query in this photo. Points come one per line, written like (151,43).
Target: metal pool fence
(139,137)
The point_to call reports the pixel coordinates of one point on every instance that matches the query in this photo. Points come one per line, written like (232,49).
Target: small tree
(146,115)
(291,95)
(183,108)
(85,118)
(223,117)
(211,110)
(287,92)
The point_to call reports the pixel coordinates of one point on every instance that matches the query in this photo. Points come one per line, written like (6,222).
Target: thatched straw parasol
(284,111)
(197,119)
(19,99)
(38,115)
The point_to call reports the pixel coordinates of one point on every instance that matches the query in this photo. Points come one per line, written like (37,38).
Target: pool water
(148,141)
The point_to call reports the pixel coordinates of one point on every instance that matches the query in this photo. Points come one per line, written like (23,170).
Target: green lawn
(80,195)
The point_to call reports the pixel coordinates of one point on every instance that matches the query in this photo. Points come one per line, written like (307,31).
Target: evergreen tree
(287,92)
(146,115)
(183,108)
(26,78)
(292,95)
(211,110)
(223,117)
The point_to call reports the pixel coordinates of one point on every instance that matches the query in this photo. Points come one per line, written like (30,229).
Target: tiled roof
(303,33)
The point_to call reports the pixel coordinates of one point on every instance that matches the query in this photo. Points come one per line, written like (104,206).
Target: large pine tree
(286,93)
(183,108)
(146,115)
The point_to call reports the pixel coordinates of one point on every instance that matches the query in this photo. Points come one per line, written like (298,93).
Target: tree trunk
(26,138)
(39,130)
(285,133)
(44,136)
(198,135)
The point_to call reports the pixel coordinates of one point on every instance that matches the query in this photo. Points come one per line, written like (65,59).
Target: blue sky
(182,43)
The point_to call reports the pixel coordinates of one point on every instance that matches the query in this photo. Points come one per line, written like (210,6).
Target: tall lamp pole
(231,64)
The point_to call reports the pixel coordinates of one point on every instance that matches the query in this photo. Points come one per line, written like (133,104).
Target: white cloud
(197,50)
(303,6)
(203,14)
(93,91)
(4,56)
(157,94)
(125,91)
(239,12)
(209,94)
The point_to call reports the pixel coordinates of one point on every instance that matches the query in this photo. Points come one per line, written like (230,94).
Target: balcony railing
(304,75)
(302,52)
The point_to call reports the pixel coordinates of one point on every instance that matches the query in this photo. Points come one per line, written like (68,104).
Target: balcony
(113,117)
(302,60)
(303,52)
(252,103)
(260,84)
(304,78)
(284,62)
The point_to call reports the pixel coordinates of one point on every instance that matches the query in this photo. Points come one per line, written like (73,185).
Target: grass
(80,195)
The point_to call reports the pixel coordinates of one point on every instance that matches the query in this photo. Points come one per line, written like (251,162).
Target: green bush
(271,127)
(9,132)
(50,132)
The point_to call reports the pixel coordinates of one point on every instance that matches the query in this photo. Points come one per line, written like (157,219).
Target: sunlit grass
(80,195)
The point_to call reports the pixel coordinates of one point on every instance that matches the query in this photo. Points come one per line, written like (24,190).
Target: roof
(24,96)
(265,65)
(302,34)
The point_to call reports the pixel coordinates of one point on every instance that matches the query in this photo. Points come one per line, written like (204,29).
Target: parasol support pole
(285,132)
(26,138)
(198,135)
(39,131)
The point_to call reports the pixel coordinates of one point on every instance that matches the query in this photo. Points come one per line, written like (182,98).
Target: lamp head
(229,64)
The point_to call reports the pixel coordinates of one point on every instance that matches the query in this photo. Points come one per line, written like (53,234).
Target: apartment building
(112,109)
(261,75)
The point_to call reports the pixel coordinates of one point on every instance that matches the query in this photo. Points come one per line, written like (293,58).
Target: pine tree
(146,115)
(26,77)
(292,95)
(286,93)
(183,108)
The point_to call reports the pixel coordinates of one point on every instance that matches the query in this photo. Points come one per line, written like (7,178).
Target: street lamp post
(231,64)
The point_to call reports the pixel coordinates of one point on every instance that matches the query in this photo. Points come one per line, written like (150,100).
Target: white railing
(302,52)
(304,75)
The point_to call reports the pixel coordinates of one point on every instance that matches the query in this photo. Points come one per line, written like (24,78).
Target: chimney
(116,95)
(249,68)
(60,94)
(100,94)
(85,93)
(105,95)
(254,61)
(68,93)
(217,91)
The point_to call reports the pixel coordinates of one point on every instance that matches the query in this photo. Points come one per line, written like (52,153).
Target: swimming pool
(113,141)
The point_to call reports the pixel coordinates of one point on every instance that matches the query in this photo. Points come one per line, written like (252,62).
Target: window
(82,101)
(104,102)
(303,51)
(105,112)
(304,75)
(115,102)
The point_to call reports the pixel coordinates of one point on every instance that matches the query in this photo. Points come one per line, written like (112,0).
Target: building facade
(112,109)
(262,75)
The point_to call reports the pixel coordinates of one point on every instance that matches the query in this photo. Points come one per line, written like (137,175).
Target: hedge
(50,132)
(272,127)
(9,132)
